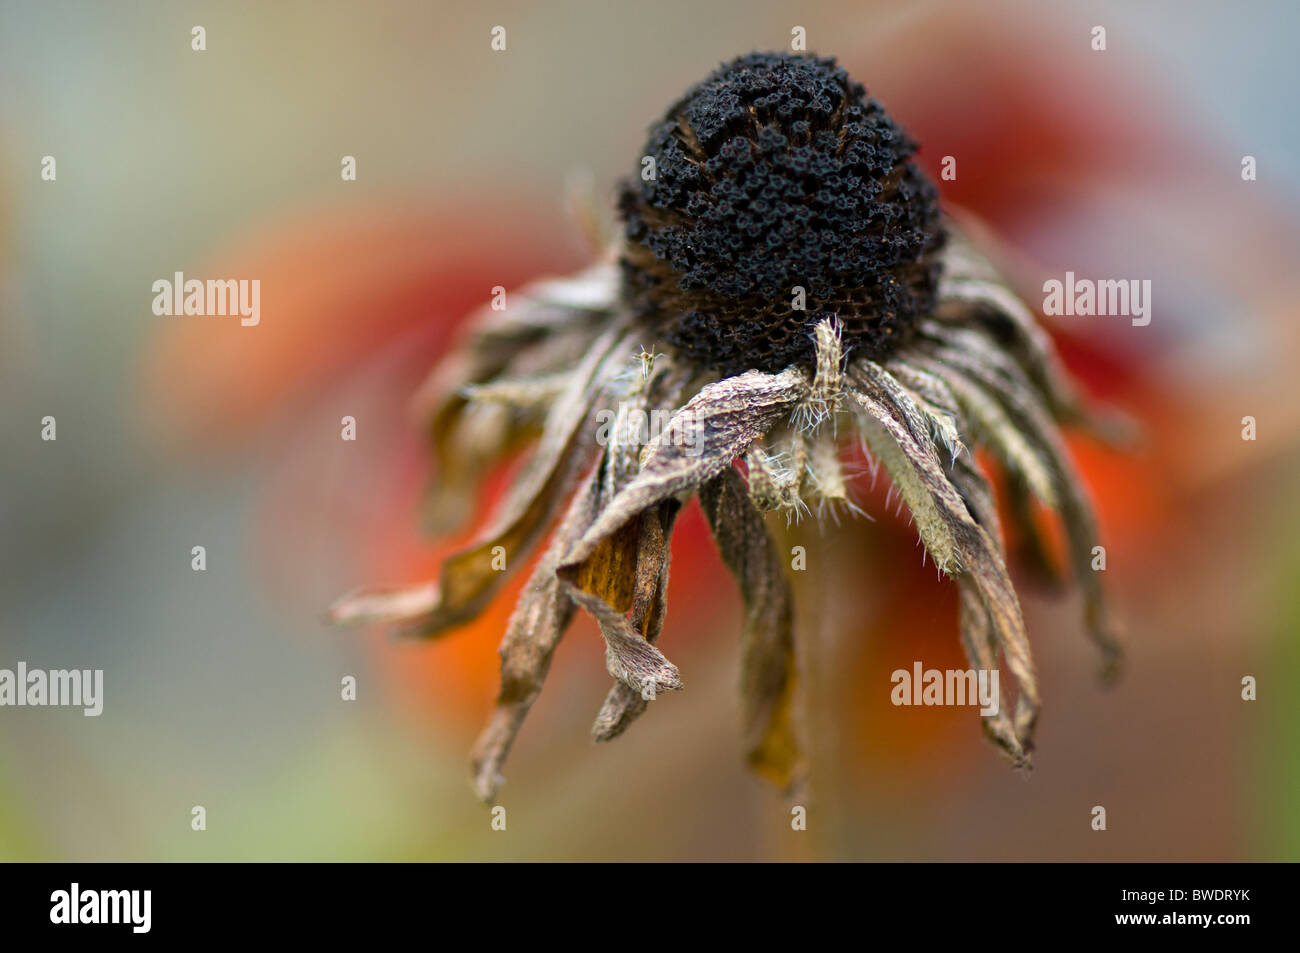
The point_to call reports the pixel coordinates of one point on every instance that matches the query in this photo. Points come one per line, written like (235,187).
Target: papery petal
(767,677)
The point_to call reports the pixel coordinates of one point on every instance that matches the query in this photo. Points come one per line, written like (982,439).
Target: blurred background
(223,687)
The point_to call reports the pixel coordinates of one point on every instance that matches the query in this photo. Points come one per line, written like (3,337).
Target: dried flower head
(775,174)
(790,261)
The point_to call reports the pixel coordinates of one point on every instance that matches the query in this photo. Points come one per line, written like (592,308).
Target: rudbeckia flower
(785,292)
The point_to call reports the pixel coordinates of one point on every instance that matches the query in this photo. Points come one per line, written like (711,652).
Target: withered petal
(977,636)
(1022,405)
(629,657)
(767,678)
(469,579)
(980,645)
(718,424)
(535,629)
(699,441)
(955,541)
(993,428)
(538,333)
(972,291)
(623,705)
(609,584)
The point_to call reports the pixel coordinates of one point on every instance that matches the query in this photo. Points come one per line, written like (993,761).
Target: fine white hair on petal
(827,390)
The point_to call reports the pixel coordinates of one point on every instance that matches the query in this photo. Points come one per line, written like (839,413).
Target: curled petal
(536,627)
(546,328)
(525,393)
(1019,400)
(767,679)
(977,636)
(470,578)
(955,541)
(606,585)
(629,657)
(700,441)
(623,705)
(980,645)
(655,384)
(971,288)
(995,429)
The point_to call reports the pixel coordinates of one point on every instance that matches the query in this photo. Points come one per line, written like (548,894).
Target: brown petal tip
(384,605)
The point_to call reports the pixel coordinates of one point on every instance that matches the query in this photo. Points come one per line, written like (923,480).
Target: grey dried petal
(972,290)
(992,427)
(972,294)
(629,430)
(535,335)
(1025,410)
(466,441)
(470,578)
(977,494)
(977,635)
(535,629)
(1030,547)
(980,645)
(957,544)
(663,384)
(525,393)
(716,425)
(931,387)
(936,401)
(628,656)
(607,584)
(767,678)
(700,441)
(876,379)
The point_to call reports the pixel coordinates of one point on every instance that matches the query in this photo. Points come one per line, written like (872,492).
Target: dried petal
(1025,410)
(972,290)
(623,705)
(977,635)
(993,428)
(767,679)
(980,645)
(525,393)
(470,578)
(957,544)
(700,441)
(537,333)
(535,629)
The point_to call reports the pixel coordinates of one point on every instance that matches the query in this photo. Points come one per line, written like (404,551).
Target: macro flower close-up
(730,432)
(809,295)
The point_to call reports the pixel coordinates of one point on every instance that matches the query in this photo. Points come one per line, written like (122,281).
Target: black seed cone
(777,172)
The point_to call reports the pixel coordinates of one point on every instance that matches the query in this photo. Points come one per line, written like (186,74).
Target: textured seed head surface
(777,173)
